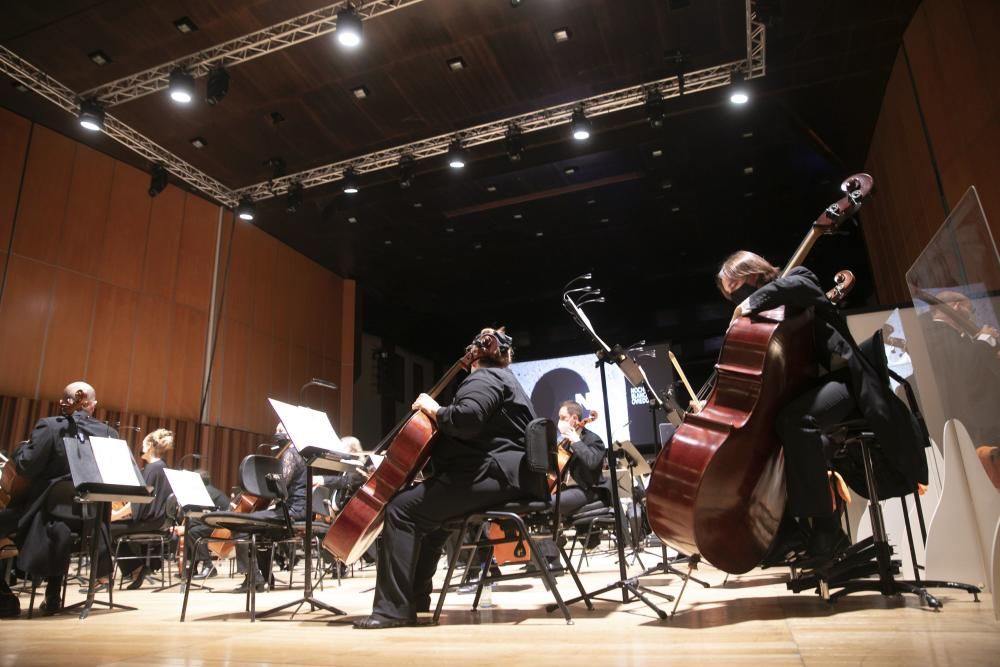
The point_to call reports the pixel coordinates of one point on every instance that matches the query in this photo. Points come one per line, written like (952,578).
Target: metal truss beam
(21,70)
(273,38)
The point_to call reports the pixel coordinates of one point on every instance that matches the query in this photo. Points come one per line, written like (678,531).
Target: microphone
(137,429)
(318,382)
(269,446)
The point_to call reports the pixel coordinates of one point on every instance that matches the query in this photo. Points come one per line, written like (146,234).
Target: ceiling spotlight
(181,86)
(216,85)
(157,179)
(580,125)
(407,170)
(361,92)
(456,155)
(350,182)
(246,209)
(515,3)
(348,27)
(655,111)
(198,142)
(738,91)
(515,144)
(293,199)
(456,64)
(99,57)
(185,25)
(561,35)
(91,115)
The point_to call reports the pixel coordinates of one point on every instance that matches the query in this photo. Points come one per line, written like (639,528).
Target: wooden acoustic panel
(85,219)
(111,343)
(196,254)
(44,194)
(14,133)
(160,269)
(24,316)
(67,338)
(123,248)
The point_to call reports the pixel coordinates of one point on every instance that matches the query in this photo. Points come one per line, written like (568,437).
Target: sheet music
(115,462)
(307,427)
(376,460)
(188,488)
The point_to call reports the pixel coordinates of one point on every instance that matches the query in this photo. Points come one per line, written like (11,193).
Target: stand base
(86,605)
(631,591)
(313,603)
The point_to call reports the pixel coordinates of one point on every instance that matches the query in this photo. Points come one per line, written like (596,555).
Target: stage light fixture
(407,170)
(456,155)
(91,115)
(199,142)
(293,199)
(246,209)
(580,125)
(99,57)
(514,142)
(157,179)
(350,182)
(739,93)
(655,109)
(348,28)
(185,25)
(216,85)
(181,86)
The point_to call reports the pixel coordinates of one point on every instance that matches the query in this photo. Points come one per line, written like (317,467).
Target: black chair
(260,476)
(868,565)
(541,513)
(154,543)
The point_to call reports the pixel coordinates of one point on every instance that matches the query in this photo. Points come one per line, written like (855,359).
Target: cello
(718,488)
(407,450)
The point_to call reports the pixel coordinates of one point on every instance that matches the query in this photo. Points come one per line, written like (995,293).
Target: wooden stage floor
(751,620)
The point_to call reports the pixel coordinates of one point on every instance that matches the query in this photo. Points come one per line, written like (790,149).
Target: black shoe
(10,607)
(51,605)
(379,622)
(827,543)
(245,586)
(99,587)
(206,572)
(138,579)
(593,541)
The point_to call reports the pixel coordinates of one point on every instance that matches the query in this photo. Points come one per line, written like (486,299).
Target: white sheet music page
(307,427)
(115,461)
(188,488)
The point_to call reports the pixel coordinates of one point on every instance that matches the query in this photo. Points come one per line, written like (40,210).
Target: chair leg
(452,561)
(252,579)
(190,575)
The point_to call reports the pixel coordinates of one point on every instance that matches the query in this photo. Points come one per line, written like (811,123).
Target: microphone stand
(629,587)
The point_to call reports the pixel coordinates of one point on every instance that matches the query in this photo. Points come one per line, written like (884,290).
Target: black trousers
(413,539)
(263,555)
(800,426)
(196,531)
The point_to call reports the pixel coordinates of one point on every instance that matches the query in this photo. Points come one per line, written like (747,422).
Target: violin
(718,488)
(564,453)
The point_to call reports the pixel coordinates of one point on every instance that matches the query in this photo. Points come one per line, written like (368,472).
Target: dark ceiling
(650,212)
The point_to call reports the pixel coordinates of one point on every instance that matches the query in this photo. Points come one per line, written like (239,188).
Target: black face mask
(280,439)
(741,293)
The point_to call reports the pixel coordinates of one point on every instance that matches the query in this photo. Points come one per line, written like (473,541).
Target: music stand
(103,472)
(313,436)
(192,497)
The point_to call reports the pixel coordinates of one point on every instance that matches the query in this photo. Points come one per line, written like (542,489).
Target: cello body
(718,486)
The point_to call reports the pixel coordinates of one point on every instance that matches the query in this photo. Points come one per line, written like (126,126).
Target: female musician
(850,386)
(145,518)
(478,460)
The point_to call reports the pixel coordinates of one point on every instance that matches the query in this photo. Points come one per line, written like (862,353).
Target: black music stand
(629,586)
(86,464)
(193,500)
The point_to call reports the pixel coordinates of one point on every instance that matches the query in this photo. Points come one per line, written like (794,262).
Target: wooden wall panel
(14,134)
(86,211)
(67,336)
(110,359)
(166,220)
(151,361)
(187,362)
(24,315)
(44,192)
(258,380)
(123,250)
(239,284)
(235,344)
(196,256)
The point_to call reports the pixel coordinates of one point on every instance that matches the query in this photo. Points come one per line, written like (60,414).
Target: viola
(717,488)
(564,453)
(407,449)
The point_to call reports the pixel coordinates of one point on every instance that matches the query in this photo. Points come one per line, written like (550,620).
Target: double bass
(407,449)
(718,488)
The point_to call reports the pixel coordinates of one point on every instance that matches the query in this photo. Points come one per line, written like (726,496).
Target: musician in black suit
(479,462)
(851,384)
(44,542)
(197,530)
(586,481)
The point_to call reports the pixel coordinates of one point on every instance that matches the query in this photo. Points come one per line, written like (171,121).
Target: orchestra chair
(260,476)
(868,565)
(592,519)
(541,512)
(156,543)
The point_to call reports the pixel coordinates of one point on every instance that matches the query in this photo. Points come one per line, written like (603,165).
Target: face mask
(280,439)
(740,294)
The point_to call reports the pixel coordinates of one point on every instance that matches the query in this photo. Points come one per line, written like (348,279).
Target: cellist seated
(848,386)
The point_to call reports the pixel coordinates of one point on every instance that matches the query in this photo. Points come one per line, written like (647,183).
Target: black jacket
(898,434)
(482,432)
(588,458)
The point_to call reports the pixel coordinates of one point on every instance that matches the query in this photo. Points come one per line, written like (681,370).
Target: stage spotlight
(216,85)
(91,115)
(456,155)
(293,200)
(515,144)
(348,27)
(655,110)
(407,170)
(350,182)
(181,86)
(157,179)
(246,209)
(580,125)
(739,93)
